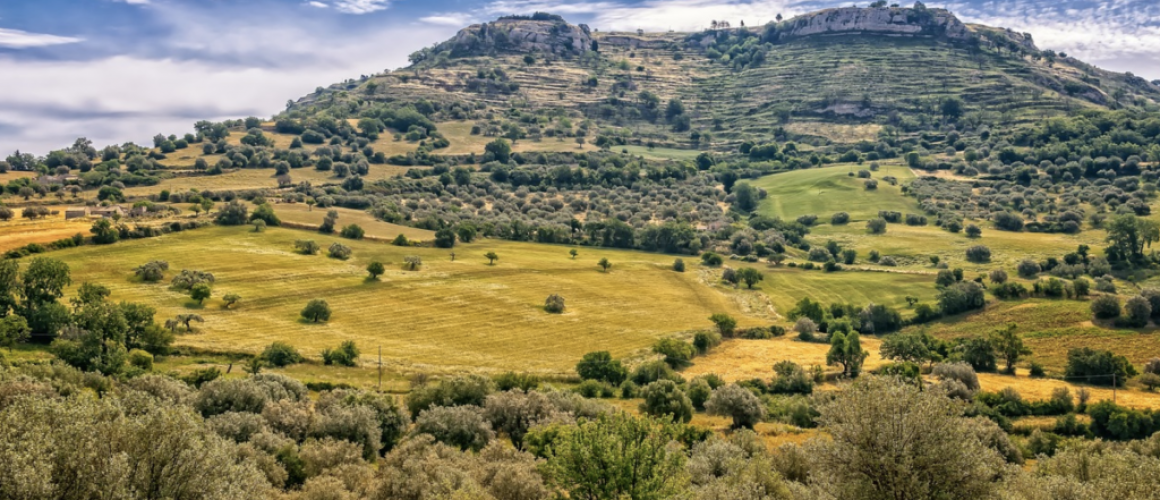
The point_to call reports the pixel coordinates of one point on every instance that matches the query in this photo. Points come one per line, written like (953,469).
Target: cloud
(134,2)
(454,19)
(320,5)
(357,6)
(16,39)
(649,15)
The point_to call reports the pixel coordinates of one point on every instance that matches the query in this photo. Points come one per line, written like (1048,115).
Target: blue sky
(124,70)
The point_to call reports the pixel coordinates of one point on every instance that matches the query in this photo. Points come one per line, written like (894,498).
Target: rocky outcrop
(547,35)
(878,21)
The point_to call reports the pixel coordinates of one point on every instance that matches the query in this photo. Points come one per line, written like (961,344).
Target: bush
(738,403)
(554,304)
(460,426)
(279,354)
(664,398)
(141,359)
(679,265)
(306,247)
(700,391)
(653,371)
(979,254)
(352,231)
(791,378)
(1106,307)
(725,324)
(339,251)
(600,366)
(594,389)
(346,355)
(1028,269)
(677,352)
(1137,312)
(704,341)
(876,226)
(961,297)
(152,271)
(711,259)
(959,372)
(457,391)
(840,218)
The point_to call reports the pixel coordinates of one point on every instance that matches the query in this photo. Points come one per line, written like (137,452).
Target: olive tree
(737,403)
(316,310)
(664,398)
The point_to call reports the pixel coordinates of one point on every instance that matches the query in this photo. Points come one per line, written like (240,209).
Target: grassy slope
(462,314)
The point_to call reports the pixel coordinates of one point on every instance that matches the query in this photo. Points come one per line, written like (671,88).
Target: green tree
(665,399)
(746,197)
(1009,345)
(41,285)
(737,403)
(724,323)
(375,269)
(846,350)
(234,213)
(617,456)
(445,238)
(750,276)
(230,299)
(13,329)
(200,292)
(500,149)
(604,264)
(599,365)
(573,253)
(491,257)
(104,232)
(1128,235)
(316,310)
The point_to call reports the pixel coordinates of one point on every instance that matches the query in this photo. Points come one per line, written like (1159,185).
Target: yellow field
(19,232)
(302,214)
(462,315)
(740,359)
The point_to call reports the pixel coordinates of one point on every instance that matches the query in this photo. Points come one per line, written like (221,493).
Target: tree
(328,222)
(724,323)
(200,292)
(230,299)
(891,440)
(979,254)
(599,365)
(500,150)
(491,257)
(412,262)
(1128,235)
(13,330)
(104,232)
(1106,306)
(375,269)
(152,271)
(617,455)
(234,213)
(846,350)
(1137,312)
(745,196)
(915,347)
(186,319)
(1098,367)
(677,352)
(961,297)
(259,225)
(339,251)
(737,403)
(665,399)
(604,264)
(1009,346)
(316,310)
(279,354)
(445,238)
(876,226)
(265,213)
(750,276)
(573,253)
(978,352)
(346,355)
(951,108)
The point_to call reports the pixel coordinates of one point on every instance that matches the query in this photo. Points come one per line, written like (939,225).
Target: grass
(824,191)
(789,285)
(255,179)
(659,153)
(20,232)
(302,214)
(461,315)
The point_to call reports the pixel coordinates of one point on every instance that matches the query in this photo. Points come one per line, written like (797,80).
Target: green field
(825,191)
(461,315)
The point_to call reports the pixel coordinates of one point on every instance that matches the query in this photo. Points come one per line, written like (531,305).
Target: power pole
(380,368)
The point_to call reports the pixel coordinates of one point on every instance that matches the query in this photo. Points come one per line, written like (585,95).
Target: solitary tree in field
(750,276)
(200,292)
(491,258)
(604,264)
(573,253)
(231,299)
(375,269)
(412,262)
(316,310)
(186,319)
(1009,346)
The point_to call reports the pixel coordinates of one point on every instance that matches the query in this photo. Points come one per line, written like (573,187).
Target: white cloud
(320,5)
(16,39)
(360,6)
(650,15)
(454,19)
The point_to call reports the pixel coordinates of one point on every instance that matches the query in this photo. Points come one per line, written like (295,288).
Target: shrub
(738,403)
(677,352)
(700,391)
(725,324)
(141,359)
(998,276)
(1028,269)
(679,265)
(346,355)
(961,297)
(664,398)
(1098,367)
(339,251)
(711,259)
(704,341)
(876,226)
(352,231)
(460,426)
(1106,307)
(306,247)
(819,254)
(959,372)
(152,271)
(281,354)
(554,304)
(805,327)
(457,391)
(979,254)
(653,371)
(1137,312)
(840,218)
(599,365)
(790,378)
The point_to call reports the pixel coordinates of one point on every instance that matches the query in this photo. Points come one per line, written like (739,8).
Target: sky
(124,70)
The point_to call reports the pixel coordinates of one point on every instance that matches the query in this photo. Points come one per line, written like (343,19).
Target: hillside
(883,66)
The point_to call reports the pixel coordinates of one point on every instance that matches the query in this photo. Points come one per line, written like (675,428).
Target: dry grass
(300,213)
(462,315)
(1034,389)
(255,179)
(20,232)
(741,359)
(836,132)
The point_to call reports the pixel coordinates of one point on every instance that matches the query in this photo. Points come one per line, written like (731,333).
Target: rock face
(548,35)
(879,21)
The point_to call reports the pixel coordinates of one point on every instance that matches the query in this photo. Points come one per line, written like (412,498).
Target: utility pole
(380,368)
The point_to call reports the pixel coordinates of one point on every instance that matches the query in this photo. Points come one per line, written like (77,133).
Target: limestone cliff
(878,21)
(541,33)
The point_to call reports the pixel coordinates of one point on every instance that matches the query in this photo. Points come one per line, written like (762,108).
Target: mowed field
(461,315)
(825,191)
(19,232)
(748,359)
